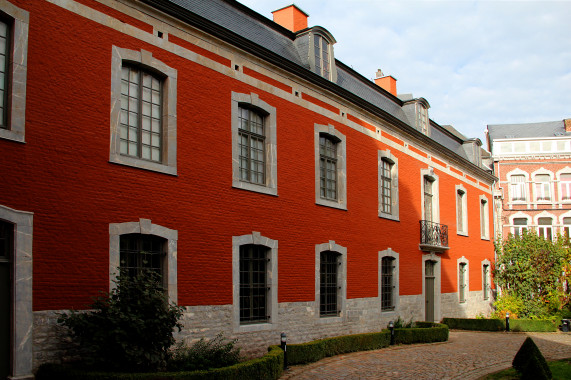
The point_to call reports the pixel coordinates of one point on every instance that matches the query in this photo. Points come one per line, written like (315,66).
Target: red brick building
(275,188)
(533,164)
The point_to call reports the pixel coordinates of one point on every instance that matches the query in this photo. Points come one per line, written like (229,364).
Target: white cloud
(476,62)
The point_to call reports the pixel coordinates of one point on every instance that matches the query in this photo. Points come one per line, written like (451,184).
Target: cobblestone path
(467,355)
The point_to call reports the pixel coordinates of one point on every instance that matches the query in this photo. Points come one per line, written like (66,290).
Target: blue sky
(476,62)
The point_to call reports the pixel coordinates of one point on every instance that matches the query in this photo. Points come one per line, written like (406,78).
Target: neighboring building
(533,164)
(274,188)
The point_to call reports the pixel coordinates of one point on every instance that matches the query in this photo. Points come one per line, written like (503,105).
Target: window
(486,281)
(484,218)
(517,188)
(330,280)
(462,282)
(542,187)
(328,284)
(428,199)
(519,226)
(387,283)
(14,25)
(255,282)
(544,228)
(322,60)
(422,118)
(567,226)
(254,156)
(461,210)
(388,185)
(330,167)
(138,245)
(565,182)
(143,111)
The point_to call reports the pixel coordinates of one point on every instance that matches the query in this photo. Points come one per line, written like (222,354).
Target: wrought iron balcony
(433,236)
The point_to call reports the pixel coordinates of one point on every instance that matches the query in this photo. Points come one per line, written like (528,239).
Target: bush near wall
(424,332)
(516,325)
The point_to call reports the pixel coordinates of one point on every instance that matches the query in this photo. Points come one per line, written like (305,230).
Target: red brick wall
(63,175)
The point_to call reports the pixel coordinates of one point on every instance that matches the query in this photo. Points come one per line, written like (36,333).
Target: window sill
(389,216)
(462,233)
(142,164)
(333,204)
(7,134)
(329,319)
(264,326)
(255,188)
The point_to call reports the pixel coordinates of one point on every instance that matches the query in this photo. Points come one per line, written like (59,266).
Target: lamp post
(392,329)
(508,321)
(284,348)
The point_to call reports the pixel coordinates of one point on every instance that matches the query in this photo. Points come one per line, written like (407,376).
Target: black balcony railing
(433,236)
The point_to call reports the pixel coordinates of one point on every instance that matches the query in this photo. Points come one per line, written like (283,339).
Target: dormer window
(422,118)
(322,60)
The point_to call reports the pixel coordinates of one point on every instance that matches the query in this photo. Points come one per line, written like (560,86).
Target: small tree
(531,269)
(129,329)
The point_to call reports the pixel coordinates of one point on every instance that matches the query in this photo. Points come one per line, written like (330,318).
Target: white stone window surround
(396,290)
(561,221)
(146,227)
(464,205)
(545,214)
(429,172)
(466,284)
(487,263)
(21,358)
(511,185)
(437,283)
(146,60)
(536,194)
(560,184)
(519,215)
(387,155)
(321,32)
(272,282)
(484,217)
(341,281)
(17,72)
(341,202)
(270,130)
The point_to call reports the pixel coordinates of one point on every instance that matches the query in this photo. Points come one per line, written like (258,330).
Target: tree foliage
(129,329)
(532,274)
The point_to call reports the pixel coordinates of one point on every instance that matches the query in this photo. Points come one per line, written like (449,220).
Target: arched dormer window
(316,43)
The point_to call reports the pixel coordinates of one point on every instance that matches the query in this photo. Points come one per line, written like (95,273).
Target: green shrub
(541,325)
(530,361)
(205,354)
(544,325)
(130,329)
(428,333)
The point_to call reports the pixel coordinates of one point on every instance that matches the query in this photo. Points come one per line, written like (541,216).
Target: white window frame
(512,185)
(388,156)
(17,73)
(466,283)
(341,202)
(272,282)
(145,59)
(561,184)
(253,100)
(562,218)
(544,186)
(545,214)
(464,205)
(484,217)
(513,227)
(487,280)
(429,172)
(396,290)
(341,281)
(145,227)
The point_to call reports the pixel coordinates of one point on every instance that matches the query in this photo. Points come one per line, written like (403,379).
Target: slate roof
(528,130)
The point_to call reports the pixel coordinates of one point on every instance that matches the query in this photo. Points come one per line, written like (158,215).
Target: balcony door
(428,198)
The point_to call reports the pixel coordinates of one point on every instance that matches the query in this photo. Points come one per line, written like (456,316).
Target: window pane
(328,283)
(253,284)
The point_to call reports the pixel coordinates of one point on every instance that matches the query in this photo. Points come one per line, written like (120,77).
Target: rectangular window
(567,226)
(141,114)
(483,217)
(485,278)
(520,225)
(428,196)
(139,252)
(4,71)
(542,187)
(517,188)
(253,284)
(460,210)
(462,282)
(387,286)
(386,186)
(322,61)
(565,187)
(328,167)
(544,229)
(328,284)
(252,146)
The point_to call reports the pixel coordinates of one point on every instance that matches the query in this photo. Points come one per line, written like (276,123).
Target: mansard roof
(527,130)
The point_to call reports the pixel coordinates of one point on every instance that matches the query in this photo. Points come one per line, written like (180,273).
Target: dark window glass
(6,239)
(387,283)
(141,114)
(138,252)
(428,199)
(386,184)
(462,281)
(253,284)
(252,146)
(328,167)
(328,283)
(486,285)
(4,71)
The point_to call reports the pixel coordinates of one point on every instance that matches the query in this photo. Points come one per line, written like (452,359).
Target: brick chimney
(291,17)
(567,123)
(386,82)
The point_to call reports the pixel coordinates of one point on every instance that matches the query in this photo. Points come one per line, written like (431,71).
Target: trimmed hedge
(529,362)
(541,325)
(425,332)
(268,367)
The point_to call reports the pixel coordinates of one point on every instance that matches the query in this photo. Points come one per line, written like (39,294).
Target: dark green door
(6,247)
(429,280)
